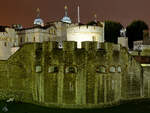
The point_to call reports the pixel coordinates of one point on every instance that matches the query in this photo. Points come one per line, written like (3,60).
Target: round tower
(85,33)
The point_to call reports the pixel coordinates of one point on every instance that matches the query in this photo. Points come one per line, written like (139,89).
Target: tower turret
(95,18)
(66,19)
(38,21)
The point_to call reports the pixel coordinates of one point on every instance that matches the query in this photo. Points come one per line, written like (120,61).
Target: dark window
(33,39)
(5,44)
(21,40)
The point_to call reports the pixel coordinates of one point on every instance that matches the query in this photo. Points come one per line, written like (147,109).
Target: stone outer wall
(42,73)
(146,81)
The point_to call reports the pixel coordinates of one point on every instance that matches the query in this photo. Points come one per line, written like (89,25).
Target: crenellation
(52,45)
(106,46)
(69,46)
(110,46)
(88,45)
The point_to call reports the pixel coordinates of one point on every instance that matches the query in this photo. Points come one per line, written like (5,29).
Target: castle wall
(44,74)
(132,80)
(18,84)
(146,81)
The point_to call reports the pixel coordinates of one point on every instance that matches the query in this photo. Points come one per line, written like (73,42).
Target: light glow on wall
(84,33)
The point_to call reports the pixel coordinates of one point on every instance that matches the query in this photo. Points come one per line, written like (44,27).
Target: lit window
(38,69)
(53,69)
(112,69)
(60,45)
(119,69)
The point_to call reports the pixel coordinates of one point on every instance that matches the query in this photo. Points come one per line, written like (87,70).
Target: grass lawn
(131,107)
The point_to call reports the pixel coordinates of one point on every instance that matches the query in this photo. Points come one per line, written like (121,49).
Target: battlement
(59,24)
(110,46)
(86,45)
(84,28)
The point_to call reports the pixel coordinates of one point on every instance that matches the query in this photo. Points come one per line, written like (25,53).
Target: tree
(93,23)
(112,31)
(135,31)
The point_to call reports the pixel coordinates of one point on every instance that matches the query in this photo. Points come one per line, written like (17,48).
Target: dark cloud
(124,11)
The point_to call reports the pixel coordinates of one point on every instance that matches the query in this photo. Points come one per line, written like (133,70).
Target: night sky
(24,11)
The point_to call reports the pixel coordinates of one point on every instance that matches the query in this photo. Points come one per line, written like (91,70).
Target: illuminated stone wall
(85,33)
(123,41)
(36,35)
(8,39)
(42,73)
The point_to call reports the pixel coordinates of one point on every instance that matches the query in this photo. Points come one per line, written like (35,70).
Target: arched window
(60,45)
(101,69)
(112,69)
(71,69)
(119,69)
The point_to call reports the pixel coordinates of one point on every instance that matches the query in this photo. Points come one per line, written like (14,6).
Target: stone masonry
(92,76)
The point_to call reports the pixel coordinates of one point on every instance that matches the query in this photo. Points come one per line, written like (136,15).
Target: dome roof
(39,21)
(66,19)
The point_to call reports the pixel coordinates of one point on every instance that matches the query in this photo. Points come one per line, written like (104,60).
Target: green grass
(131,107)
